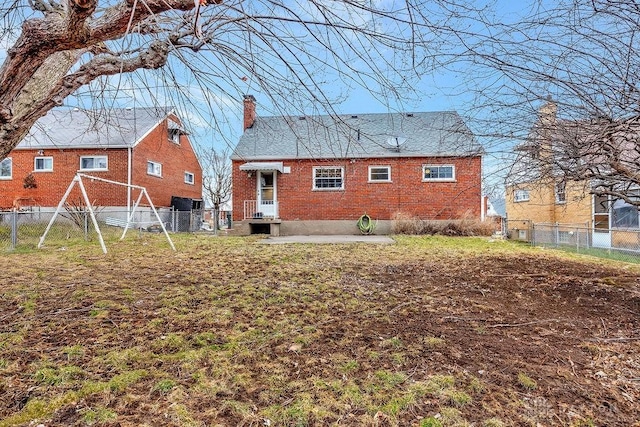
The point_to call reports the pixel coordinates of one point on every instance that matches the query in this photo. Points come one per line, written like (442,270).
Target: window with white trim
(438,173)
(43,164)
(94,163)
(154,168)
(328,178)
(379,173)
(174,136)
(6,168)
(561,196)
(189,178)
(521,196)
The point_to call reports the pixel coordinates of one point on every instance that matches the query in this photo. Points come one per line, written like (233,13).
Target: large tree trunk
(35,76)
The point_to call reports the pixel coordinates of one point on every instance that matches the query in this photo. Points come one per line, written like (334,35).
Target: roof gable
(357,136)
(109,128)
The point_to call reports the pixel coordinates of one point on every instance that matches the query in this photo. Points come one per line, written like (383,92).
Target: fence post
(556,235)
(86,226)
(14,229)
(577,240)
(533,234)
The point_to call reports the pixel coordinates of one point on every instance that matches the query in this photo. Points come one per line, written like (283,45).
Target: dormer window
(175,130)
(174,136)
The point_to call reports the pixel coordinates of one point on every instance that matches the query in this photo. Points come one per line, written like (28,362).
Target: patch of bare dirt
(242,334)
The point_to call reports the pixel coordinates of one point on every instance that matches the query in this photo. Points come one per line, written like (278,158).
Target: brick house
(147,147)
(537,193)
(319,175)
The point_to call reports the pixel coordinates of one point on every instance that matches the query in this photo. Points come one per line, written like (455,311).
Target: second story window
(189,178)
(43,164)
(561,195)
(6,168)
(521,196)
(94,163)
(154,168)
(174,136)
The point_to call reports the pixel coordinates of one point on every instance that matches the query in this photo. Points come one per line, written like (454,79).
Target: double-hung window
(43,164)
(521,196)
(94,163)
(154,168)
(6,168)
(561,196)
(379,173)
(328,178)
(189,178)
(438,173)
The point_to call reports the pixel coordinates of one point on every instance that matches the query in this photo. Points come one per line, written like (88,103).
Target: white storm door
(267,194)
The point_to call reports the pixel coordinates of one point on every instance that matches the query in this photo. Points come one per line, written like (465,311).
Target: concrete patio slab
(328,239)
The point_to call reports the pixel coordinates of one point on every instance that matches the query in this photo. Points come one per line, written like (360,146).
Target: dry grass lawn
(230,332)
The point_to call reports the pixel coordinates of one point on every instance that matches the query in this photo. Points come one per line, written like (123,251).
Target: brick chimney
(249,111)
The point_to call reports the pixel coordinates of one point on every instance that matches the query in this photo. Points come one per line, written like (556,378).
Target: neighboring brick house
(319,174)
(537,193)
(141,146)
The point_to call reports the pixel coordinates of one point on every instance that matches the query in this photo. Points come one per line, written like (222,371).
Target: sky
(218,123)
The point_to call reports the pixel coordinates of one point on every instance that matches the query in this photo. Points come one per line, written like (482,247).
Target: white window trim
(10,177)
(154,164)
(517,199)
(174,136)
(193,178)
(429,166)
(313,177)
(35,161)
(388,168)
(557,193)
(106,158)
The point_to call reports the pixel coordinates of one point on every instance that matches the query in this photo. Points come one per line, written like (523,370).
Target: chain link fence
(24,229)
(620,244)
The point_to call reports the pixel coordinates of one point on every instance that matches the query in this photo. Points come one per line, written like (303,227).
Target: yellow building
(537,194)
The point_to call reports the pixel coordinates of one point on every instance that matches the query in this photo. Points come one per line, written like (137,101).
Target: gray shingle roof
(109,128)
(357,136)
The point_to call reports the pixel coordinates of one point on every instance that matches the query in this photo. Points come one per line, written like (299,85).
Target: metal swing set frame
(77,179)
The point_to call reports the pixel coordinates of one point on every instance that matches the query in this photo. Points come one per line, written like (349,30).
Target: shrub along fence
(23,229)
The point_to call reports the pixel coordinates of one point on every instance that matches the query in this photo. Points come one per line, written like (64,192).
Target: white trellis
(77,179)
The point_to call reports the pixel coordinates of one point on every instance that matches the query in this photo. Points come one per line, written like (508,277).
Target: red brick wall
(407,193)
(175,160)
(52,185)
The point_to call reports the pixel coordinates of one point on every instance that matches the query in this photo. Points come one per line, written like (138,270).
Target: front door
(601,222)
(267,195)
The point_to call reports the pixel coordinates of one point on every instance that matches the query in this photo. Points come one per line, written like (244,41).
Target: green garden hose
(366,225)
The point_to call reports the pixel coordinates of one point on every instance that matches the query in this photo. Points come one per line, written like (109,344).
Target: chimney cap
(249,98)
